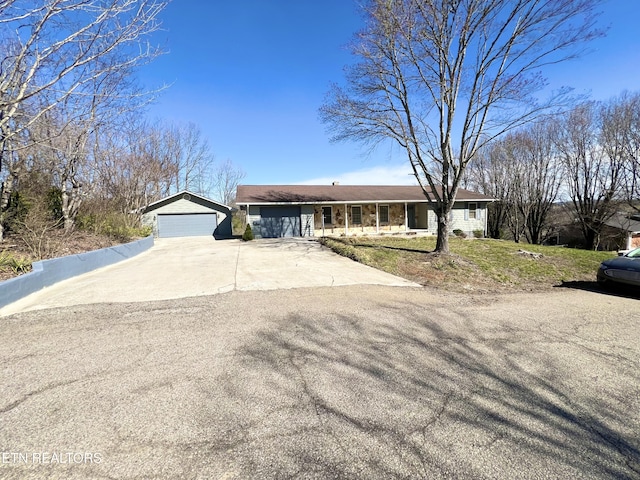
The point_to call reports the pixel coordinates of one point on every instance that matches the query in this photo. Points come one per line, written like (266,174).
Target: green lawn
(475,263)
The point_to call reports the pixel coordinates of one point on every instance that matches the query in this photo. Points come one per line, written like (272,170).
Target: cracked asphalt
(343,382)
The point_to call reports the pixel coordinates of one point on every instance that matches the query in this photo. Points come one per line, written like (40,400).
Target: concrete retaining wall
(48,272)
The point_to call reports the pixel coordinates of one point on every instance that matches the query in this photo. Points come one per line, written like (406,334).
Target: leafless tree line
(586,160)
(66,70)
(149,161)
(120,166)
(70,109)
(442,78)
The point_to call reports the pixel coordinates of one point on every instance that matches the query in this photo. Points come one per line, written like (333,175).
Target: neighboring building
(329,210)
(187,214)
(624,231)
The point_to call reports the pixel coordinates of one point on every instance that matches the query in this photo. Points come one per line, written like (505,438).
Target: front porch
(372,219)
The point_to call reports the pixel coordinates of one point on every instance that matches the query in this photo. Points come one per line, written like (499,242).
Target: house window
(383,211)
(472,211)
(327,215)
(356,215)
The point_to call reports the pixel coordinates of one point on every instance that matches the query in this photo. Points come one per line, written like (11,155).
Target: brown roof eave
(342,202)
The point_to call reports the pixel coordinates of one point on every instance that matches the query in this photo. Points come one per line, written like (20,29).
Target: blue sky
(253,73)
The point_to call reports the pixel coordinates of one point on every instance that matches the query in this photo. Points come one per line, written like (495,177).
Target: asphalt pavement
(349,382)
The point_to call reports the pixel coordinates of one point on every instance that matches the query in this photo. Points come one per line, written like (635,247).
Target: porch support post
(406,217)
(485,214)
(322,217)
(346,220)
(377,220)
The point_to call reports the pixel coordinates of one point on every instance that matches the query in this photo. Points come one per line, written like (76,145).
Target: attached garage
(276,222)
(186,214)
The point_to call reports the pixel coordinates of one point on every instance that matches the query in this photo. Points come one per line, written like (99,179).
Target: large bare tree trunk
(71,202)
(6,190)
(4,203)
(442,242)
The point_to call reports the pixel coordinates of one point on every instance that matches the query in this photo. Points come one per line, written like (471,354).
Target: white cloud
(380,175)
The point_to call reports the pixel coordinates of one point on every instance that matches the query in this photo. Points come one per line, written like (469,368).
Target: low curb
(47,272)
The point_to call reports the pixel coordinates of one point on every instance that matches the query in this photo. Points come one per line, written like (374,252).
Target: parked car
(624,270)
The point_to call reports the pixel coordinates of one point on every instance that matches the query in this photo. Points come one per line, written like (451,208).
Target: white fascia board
(182,192)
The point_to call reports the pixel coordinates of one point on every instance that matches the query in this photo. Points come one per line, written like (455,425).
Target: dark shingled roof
(624,222)
(265,194)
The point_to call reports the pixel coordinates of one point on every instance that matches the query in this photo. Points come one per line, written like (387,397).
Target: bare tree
(508,169)
(192,158)
(58,46)
(515,214)
(538,176)
(133,167)
(142,162)
(620,138)
(491,173)
(594,174)
(227,178)
(69,161)
(444,77)
(62,135)
(54,50)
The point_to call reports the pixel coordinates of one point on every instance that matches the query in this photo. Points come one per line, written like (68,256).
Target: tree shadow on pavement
(431,395)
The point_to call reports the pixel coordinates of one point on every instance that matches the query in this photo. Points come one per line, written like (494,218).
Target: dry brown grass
(473,264)
(55,244)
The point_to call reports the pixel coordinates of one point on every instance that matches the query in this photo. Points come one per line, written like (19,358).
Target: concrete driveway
(188,267)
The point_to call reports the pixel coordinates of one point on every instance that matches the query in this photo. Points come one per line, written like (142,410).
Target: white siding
(422,220)
(433,222)
(183,206)
(253,219)
(461,220)
(307,222)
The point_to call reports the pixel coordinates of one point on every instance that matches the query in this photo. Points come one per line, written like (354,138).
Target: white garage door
(187,225)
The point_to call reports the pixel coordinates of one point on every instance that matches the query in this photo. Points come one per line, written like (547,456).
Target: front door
(411,216)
